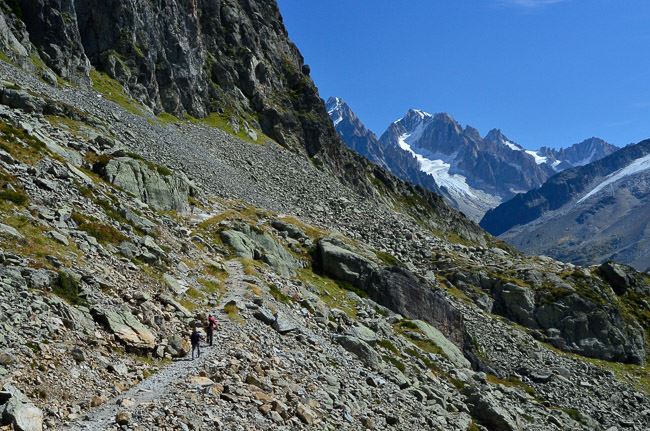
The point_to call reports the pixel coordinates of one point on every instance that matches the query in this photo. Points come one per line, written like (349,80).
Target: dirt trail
(103,417)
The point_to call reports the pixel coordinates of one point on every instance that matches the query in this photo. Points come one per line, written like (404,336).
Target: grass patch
(190,305)
(511,382)
(67,288)
(194,293)
(329,290)
(396,362)
(312,232)
(17,197)
(17,142)
(37,245)
(103,233)
(388,345)
(279,295)
(114,91)
(210,287)
(388,259)
(225,122)
(232,312)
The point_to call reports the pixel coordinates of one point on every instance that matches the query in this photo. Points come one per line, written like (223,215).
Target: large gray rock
(359,348)
(251,243)
(160,189)
(339,262)
(126,327)
(600,331)
(515,302)
(488,410)
(18,411)
(449,349)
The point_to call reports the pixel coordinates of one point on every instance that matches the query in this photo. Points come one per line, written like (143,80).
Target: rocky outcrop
(17,412)
(572,322)
(395,288)
(158,187)
(126,327)
(250,243)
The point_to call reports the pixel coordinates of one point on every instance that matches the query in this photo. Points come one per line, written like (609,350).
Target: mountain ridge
(473,172)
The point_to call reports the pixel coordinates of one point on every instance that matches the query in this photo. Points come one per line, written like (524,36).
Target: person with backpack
(195,338)
(212,325)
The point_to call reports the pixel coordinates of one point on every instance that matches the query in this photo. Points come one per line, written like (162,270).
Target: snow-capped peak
(334,104)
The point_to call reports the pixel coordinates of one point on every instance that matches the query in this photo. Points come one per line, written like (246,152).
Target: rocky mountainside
(363,141)
(580,154)
(472,172)
(340,307)
(584,215)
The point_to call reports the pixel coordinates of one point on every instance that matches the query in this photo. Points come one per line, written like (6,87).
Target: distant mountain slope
(586,214)
(474,173)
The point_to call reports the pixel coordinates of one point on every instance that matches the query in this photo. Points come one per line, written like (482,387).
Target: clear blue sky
(546,72)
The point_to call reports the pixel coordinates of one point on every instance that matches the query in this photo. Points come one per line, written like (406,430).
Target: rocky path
(164,381)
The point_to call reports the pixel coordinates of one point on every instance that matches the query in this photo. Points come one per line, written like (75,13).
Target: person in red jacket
(212,325)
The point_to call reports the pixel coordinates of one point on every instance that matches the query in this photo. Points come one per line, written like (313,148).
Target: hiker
(212,325)
(195,338)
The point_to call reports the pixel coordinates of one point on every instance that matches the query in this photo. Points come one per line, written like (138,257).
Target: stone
(343,264)
(10,231)
(251,243)
(19,411)
(515,302)
(174,284)
(283,324)
(123,418)
(359,348)
(264,314)
(126,327)
(305,414)
(60,238)
(161,189)
(448,349)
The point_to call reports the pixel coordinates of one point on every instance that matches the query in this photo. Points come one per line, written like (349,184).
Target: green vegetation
(20,144)
(10,191)
(67,288)
(333,293)
(194,294)
(388,259)
(312,232)
(210,287)
(388,345)
(103,233)
(511,382)
(396,362)
(37,245)
(232,312)
(15,196)
(279,295)
(114,91)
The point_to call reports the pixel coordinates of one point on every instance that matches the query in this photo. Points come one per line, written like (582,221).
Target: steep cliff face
(186,57)
(204,57)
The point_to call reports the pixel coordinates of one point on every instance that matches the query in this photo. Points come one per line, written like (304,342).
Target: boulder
(404,293)
(291,230)
(339,262)
(18,411)
(485,407)
(283,324)
(10,231)
(359,348)
(618,276)
(449,349)
(594,330)
(251,243)
(126,327)
(516,303)
(160,189)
